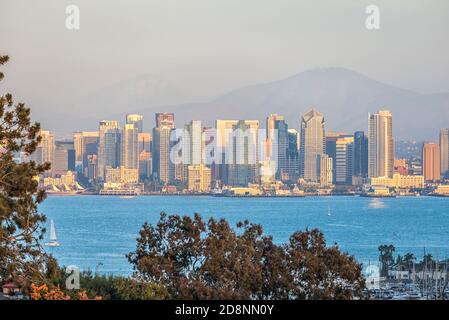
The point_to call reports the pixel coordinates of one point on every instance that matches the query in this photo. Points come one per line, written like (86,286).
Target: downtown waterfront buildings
(239,154)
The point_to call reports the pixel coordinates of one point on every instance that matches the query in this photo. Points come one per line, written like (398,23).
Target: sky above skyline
(205,48)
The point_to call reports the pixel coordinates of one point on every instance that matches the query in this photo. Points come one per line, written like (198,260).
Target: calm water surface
(96,232)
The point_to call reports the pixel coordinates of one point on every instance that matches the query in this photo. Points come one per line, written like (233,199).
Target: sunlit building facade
(199,178)
(444,152)
(312,144)
(136,120)
(380,145)
(431,162)
(109,148)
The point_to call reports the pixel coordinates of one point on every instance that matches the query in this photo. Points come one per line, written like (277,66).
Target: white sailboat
(53,242)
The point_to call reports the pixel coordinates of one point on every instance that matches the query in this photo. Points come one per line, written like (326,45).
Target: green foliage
(198,260)
(386,258)
(20,222)
(108,287)
(131,289)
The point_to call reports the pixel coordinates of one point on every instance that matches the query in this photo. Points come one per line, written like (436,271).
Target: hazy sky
(208,47)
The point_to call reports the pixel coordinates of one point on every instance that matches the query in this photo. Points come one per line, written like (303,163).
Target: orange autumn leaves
(42,292)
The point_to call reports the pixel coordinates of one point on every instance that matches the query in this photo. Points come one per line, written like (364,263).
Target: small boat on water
(53,242)
(127,197)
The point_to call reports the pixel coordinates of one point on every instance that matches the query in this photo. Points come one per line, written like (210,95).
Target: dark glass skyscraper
(293,156)
(163,167)
(331,151)
(360,160)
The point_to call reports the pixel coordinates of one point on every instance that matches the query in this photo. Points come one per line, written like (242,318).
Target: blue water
(96,232)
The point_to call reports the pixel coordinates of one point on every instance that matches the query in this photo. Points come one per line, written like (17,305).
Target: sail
(52,232)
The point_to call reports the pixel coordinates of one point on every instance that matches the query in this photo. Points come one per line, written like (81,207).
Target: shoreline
(68,194)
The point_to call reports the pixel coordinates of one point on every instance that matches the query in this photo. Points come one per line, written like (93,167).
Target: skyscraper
(77,144)
(380,145)
(431,162)
(64,158)
(293,155)
(45,151)
(145,156)
(277,137)
(193,143)
(130,147)
(241,153)
(145,141)
(360,161)
(224,133)
(136,120)
(166,119)
(109,147)
(444,152)
(312,144)
(344,159)
(331,150)
(162,166)
(192,146)
(324,170)
(85,144)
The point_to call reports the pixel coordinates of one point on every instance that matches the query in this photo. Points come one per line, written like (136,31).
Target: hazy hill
(345,97)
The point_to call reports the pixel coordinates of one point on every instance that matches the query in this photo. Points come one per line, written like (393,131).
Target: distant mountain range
(344,96)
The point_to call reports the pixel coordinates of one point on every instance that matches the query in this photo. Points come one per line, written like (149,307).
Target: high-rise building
(293,155)
(163,167)
(241,153)
(130,147)
(331,149)
(165,120)
(85,144)
(92,167)
(145,140)
(193,143)
(145,165)
(444,152)
(109,147)
(224,133)
(312,144)
(77,144)
(192,147)
(380,144)
(47,146)
(64,158)
(45,151)
(277,137)
(145,155)
(199,178)
(431,162)
(360,159)
(324,170)
(136,120)
(344,159)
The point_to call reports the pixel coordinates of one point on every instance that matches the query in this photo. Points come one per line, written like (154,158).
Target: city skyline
(240,153)
(252,151)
